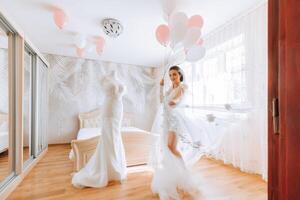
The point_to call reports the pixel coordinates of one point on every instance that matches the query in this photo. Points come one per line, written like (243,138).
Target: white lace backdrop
(231,83)
(74,87)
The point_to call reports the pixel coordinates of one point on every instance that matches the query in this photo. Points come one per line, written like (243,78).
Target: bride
(178,146)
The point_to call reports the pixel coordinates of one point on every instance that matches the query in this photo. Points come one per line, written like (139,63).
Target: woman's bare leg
(172,144)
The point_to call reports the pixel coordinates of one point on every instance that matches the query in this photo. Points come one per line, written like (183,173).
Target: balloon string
(166,63)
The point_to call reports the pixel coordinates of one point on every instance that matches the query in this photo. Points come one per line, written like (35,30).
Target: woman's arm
(161,90)
(161,94)
(178,96)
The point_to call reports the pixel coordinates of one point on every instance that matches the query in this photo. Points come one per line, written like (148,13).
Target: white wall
(74,87)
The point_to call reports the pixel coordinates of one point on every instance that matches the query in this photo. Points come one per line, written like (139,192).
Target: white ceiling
(137,45)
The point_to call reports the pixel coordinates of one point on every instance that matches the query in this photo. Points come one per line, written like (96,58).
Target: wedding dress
(173,172)
(108,162)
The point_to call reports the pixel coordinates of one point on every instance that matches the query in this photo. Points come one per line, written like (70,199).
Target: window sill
(221,108)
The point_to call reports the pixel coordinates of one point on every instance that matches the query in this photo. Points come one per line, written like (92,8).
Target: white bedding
(3,141)
(86,133)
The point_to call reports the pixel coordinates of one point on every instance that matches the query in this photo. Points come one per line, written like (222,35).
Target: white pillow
(126,122)
(92,123)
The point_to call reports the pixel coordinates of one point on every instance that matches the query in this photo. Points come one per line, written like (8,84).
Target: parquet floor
(51,179)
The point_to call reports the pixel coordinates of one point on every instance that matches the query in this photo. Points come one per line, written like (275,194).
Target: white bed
(137,142)
(3,132)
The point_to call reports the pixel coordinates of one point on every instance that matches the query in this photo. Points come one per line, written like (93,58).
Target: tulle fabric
(173,176)
(172,173)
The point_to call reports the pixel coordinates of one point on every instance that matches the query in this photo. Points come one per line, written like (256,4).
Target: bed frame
(136,143)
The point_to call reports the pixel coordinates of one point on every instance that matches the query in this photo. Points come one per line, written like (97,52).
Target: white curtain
(230,83)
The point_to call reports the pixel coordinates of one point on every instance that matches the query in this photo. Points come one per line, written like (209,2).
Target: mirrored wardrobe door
(41,106)
(27,96)
(6,137)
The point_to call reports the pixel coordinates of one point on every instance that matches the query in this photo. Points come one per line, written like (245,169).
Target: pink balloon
(163,34)
(100,42)
(195,21)
(200,42)
(99,45)
(99,49)
(80,52)
(60,18)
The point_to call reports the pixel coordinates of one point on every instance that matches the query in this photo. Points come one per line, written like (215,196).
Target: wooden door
(284,85)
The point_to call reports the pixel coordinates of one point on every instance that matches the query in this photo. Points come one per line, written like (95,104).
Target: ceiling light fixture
(112,27)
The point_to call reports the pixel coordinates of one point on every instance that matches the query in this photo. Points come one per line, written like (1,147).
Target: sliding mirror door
(41,106)
(27,99)
(6,104)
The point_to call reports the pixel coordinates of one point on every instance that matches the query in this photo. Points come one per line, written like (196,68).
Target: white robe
(172,173)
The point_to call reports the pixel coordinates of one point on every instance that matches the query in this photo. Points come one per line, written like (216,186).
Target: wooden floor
(4,167)
(51,179)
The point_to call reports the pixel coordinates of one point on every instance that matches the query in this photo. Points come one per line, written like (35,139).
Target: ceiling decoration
(136,45)
(60,17)
(112,27)
(83,43)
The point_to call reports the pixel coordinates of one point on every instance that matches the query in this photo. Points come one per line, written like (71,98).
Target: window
(220,78)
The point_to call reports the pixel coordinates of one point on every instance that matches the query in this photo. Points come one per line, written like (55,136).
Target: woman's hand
(162,82)
(172,103)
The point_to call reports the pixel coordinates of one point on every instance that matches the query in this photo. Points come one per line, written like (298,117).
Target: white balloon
(178,25)
(80,41)
(192,36)
(195,53)
(177,57)
(168,7)
(89,48)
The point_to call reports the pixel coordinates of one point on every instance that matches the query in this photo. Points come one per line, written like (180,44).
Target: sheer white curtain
(232,79)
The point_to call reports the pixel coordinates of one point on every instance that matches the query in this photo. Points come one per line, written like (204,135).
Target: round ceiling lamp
(112,27)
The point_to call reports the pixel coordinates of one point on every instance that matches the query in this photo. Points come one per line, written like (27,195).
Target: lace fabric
(108,162)
(171,172)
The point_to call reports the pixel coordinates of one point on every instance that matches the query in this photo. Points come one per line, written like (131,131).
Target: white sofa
(137,142)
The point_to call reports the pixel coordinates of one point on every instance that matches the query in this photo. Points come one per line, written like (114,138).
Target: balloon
(89,48)
(200,42)
(195,21)
(80,52)
(163,34)
(100,42)
(99,45)
(177,57)
(99,49)
(195,53)
(60,18)
(178,26)
(168,7)
(192,36)
(80,41)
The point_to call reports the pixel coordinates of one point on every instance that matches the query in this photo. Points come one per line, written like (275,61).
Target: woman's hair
(179,70)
